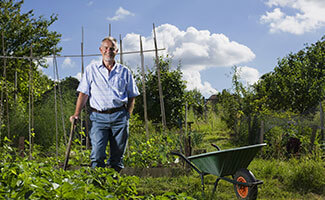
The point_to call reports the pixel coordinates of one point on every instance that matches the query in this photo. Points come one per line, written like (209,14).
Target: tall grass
(289,177)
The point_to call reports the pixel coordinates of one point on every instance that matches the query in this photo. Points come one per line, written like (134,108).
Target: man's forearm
(81,102)
(130,105)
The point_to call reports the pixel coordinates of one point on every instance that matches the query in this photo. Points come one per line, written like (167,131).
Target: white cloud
(309,16)
(48,61)
(68,63)
(248,75)
(194,81)
(196,49)
(78,76)
(90,3)
(66,39)
(120,13)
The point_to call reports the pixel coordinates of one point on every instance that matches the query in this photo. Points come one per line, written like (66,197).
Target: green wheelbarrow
(230,162)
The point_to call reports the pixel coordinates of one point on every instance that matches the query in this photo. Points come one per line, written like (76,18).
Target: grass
(292,179)
(278,176)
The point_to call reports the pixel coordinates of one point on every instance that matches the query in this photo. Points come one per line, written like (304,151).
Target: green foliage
(297,82)
(238,110)
(45,120)
(195,101)
(152,152)
(180,187)
(304,175)
(173,88)
(307,176)
(41,179)
(21,32)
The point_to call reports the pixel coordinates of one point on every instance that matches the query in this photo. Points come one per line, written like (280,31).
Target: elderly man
(111,90)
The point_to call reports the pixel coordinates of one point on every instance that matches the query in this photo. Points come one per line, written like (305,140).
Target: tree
(297,82)
(22,32)
(195,100)
(239,110)
(173,90)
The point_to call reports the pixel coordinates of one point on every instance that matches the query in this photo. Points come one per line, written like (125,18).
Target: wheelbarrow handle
(216,146)
(186,160)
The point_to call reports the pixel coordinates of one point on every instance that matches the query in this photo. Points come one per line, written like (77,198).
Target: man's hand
(74,117)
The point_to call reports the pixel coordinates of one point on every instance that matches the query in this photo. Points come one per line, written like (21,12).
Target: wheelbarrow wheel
(244,192)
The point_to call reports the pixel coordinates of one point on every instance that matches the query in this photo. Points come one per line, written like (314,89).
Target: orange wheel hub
(242,190)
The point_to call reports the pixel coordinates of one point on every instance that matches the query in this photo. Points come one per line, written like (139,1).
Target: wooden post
(86,111)
(5,86)
(21,146)
(61,106)
(161,98)
(121,50)
(321,121)
(16,84)
(82,50)
(109,30)
(30,128)
(82,72)
(144,94)
(186,147)
(205,101)
(1,103)
(55,108)
(261,138)
(312,138)
(56,71)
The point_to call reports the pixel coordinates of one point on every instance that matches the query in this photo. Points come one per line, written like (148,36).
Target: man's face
(108,50)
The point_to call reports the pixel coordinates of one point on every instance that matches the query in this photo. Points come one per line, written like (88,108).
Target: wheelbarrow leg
(202,183)
(215,186)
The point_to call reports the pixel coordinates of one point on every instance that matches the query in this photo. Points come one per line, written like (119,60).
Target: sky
(207,38)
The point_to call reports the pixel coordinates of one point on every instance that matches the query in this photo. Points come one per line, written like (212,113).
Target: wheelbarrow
(229,162)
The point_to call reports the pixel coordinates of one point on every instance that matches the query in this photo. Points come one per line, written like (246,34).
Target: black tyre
(243,192)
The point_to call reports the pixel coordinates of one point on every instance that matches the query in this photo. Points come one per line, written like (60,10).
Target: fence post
(261,137)
(162,106)
(144,90)
(321,121)
(21,146)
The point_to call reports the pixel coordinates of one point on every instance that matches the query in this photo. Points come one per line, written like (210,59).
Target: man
(111,90)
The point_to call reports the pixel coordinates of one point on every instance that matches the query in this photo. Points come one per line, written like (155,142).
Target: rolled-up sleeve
(132,88)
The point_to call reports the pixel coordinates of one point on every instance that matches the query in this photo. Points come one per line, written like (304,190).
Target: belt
(109,111)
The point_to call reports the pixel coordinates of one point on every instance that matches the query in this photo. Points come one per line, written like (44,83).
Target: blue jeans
(113,128)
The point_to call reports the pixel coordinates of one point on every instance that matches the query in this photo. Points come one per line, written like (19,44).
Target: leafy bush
(25,179)
(151,153)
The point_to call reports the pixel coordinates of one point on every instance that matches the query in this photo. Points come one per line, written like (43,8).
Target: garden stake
(67,152)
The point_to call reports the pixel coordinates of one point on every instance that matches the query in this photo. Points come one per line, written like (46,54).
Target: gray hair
(112,40)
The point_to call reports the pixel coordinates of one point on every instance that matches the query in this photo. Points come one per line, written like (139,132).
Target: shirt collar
(115,68)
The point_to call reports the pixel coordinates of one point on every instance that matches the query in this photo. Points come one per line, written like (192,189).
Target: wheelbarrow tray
(225,162)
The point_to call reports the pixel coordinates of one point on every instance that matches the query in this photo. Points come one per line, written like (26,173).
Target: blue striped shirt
(106,89)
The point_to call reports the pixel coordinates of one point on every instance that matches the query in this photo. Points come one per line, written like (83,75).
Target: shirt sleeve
(132,88)
(84,85)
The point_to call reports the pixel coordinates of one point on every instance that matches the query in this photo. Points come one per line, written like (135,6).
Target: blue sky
(208,37)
